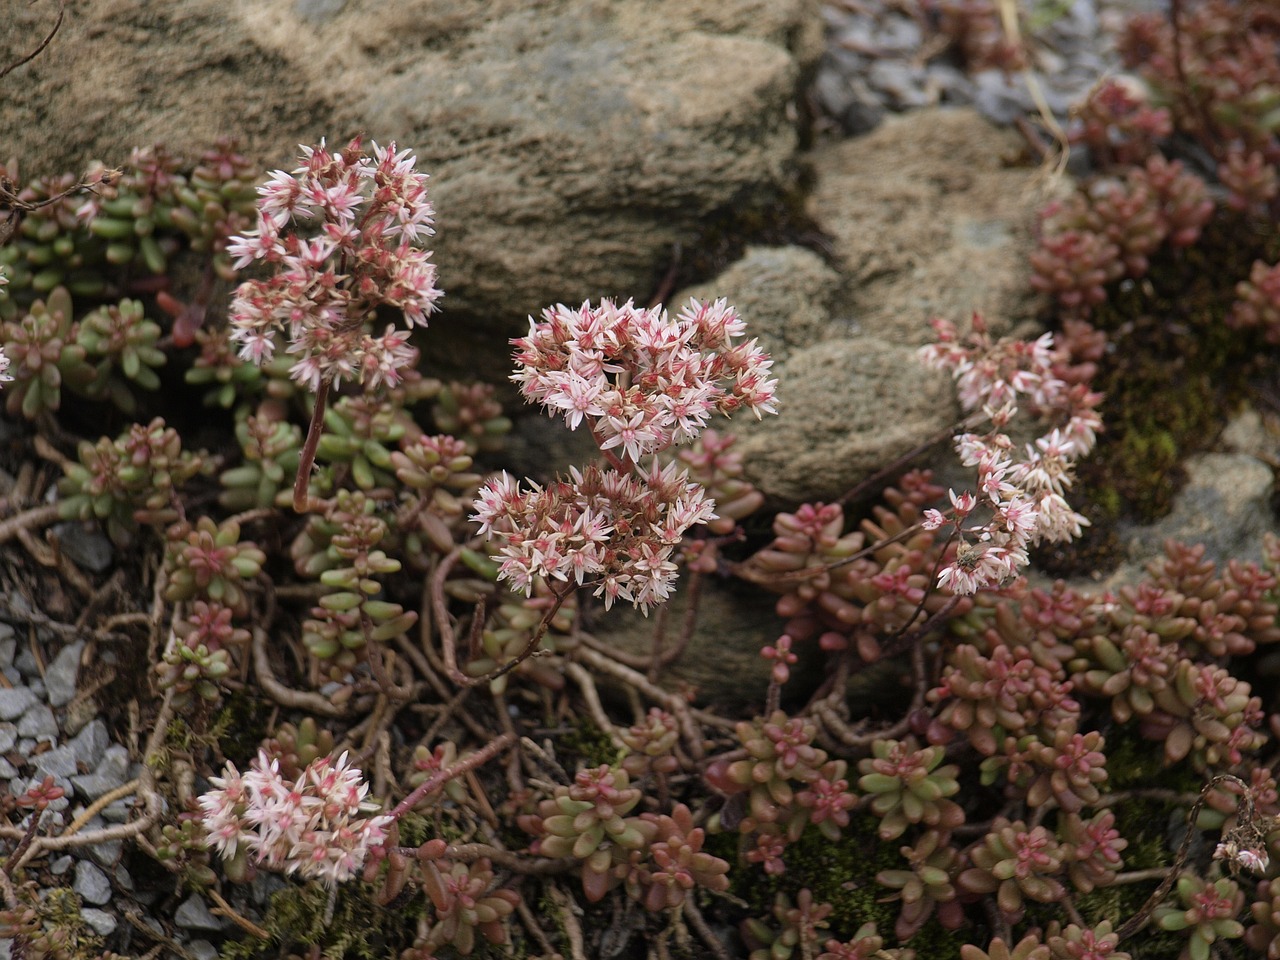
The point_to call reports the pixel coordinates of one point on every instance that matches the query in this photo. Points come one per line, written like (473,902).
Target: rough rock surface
(927,219)
(849,407)
(785,294)
(571,142)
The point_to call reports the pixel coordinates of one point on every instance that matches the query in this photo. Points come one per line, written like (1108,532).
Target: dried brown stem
(1135,923)
(286,696)
(28,520)
(57,25)
(670,701)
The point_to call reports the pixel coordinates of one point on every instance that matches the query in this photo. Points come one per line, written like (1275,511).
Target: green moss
(586,745)
(1172,375)
(842,874)
(358,928)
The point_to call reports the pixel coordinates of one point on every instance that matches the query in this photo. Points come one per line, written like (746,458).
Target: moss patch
(1172,375)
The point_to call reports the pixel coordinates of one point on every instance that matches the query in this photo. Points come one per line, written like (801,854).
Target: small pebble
(90,744)
(202,950)
(91,883)
(58,762)
(14,702)
(38,722)
(108,775)
(193,914)
(60,677)
(8,736)
(102,922)
(61,864)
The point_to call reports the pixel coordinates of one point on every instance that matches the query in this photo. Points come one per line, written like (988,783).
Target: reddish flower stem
(431,784)
(307,459)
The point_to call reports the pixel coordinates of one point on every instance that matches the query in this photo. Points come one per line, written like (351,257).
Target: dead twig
(57,25)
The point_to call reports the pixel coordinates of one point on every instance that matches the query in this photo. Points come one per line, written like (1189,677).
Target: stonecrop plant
(341,233)
(642,382)
(403,696)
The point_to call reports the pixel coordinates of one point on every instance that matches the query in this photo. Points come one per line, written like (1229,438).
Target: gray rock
(927,221)
(193,914)
(848,407)
(116,812)
(8,645)
(7,770)
(60,762)
(38,723)
(90,744)
(14,702)
(92,884)
(784,294)
(60,677)
(318,11)
(103,923)
(1225,505)
(202,950)
(110,773)
(8,736)
(26,663)
(123,880)
(60,865)
(571,144)
(86,545)
(903,83)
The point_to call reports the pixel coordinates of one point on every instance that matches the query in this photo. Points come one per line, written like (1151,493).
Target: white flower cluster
(642,380)
(363,214)
(1024,497)
(611,528)
(318,827)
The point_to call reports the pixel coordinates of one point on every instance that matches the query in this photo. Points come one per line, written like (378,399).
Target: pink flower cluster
(614,529)
(642,381)
(363,214)
(1024,497)
(317,827)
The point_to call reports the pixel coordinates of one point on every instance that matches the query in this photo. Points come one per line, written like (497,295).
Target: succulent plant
(271,448)
(1088,943)
(1016,863)
(798,931)
(296,747)
(588,821)
(866,944)
(652,742)
(1092,849)
(780,753)
(1263,935)
(120,339)
(710,461)
(200,654)
(1205,911)
(988,698)
(908,784)
(438,469)
(1068,770)
(210,562)
(470,413)
(927,885)
(1206,713)
(43,355)
(467,903)
(675,864)
(360,433)
(511,627)
(127,481)
(1028,948)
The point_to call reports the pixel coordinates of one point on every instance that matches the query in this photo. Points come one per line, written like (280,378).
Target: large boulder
(930,215)
(572,142)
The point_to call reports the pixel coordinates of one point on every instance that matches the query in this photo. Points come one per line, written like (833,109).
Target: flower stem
(307,459)
(470,762)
